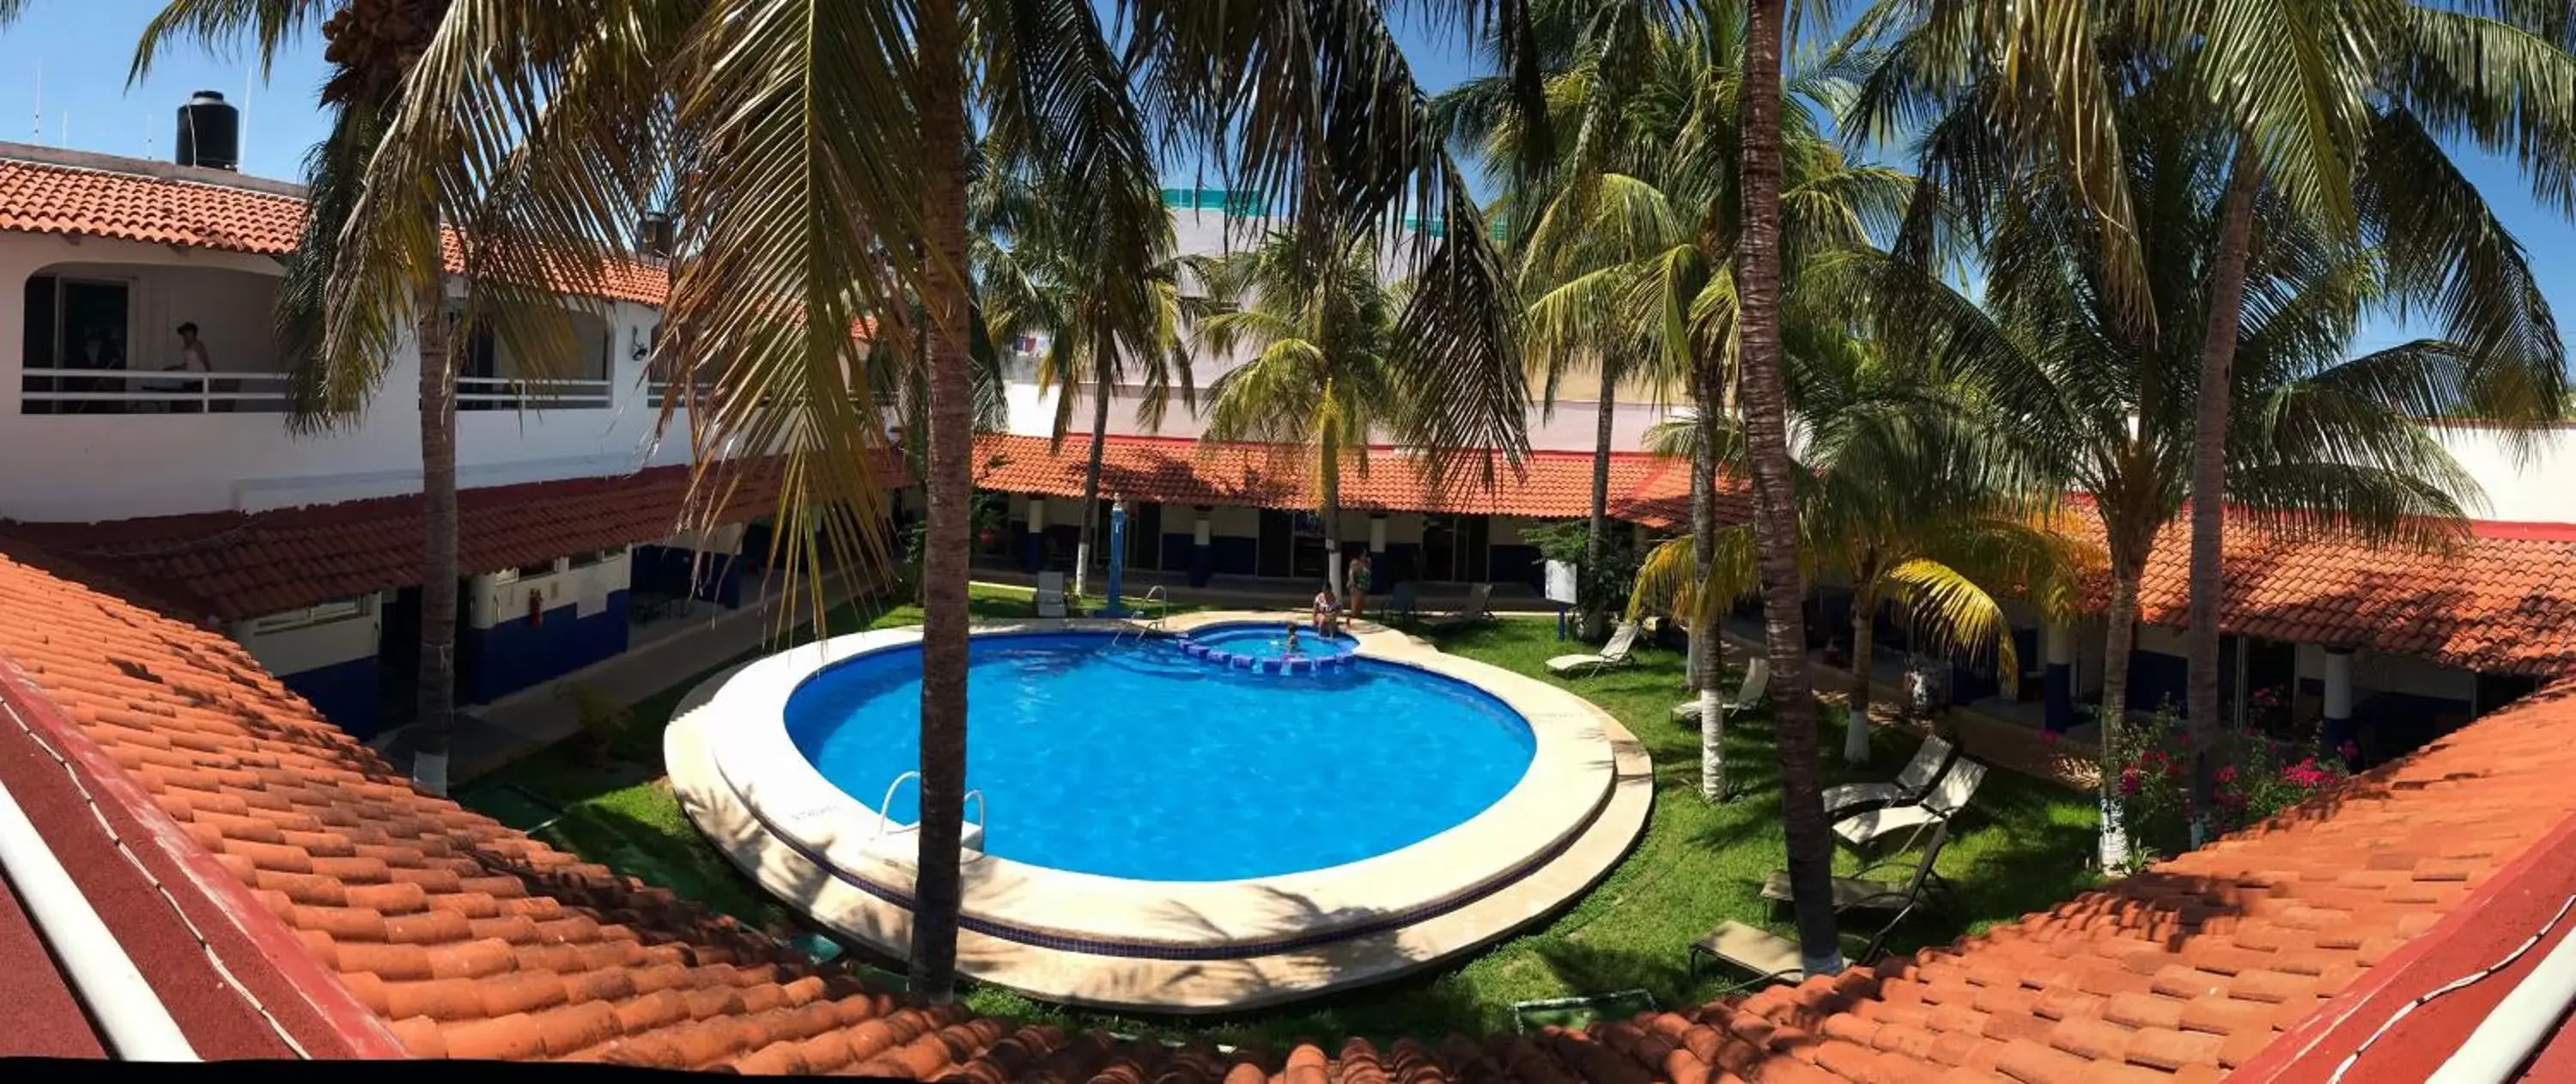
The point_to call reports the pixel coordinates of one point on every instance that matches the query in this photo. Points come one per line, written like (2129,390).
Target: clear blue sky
(81,48)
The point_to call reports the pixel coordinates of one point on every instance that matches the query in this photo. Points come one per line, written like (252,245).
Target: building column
(1201,551)
(1377,534)
(2338,715)
(2058,703)
(1037,534)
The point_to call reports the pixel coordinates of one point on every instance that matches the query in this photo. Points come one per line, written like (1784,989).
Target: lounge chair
(1480,601)
(1050,597)
(1943,802)
(1773,958)
(1615,653)
(1757,685)
(1910,785)
(1860,892)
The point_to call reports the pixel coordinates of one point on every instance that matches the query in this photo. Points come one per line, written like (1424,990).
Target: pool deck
(1170,946)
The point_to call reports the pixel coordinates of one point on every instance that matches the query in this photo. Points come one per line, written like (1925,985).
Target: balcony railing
(506,393)
(128,391)
(125,391)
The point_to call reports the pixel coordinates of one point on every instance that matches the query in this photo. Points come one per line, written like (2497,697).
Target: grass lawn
(2022,848)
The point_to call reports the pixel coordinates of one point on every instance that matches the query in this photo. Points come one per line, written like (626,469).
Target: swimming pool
(1133,759)
(1166,833)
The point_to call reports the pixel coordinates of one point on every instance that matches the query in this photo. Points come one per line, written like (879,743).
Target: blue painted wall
(2155,677)
(1235,556)
(344,693)
(1516,563)
(518,653)
(1176,550)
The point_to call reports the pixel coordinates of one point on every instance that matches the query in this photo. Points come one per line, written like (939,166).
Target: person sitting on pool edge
(1325,612)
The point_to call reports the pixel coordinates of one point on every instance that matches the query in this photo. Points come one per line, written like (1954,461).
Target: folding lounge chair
(1770,957)
(1050,598)
(1757,684)
(1945,800)
(1480,600)
(1910,785)
(1860,892)
(1615,653)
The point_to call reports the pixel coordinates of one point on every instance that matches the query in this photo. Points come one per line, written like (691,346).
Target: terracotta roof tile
(2179,972)
(236,565)
(2495,601)
(41,197)
(1546,485)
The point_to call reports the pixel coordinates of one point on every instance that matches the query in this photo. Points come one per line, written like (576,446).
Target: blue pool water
(1270,641)
(1134,760)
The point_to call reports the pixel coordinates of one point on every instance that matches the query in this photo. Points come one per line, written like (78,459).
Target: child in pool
(1293,650)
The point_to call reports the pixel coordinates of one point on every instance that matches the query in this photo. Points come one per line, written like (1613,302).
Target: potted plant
(602,721)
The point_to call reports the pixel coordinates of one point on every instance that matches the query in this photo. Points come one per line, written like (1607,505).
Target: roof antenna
(241,115)
(39,136)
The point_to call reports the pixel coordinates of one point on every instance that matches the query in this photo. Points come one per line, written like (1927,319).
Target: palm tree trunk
(435,714)
(1091,474)
(2209,470)
(1596,539)
(1707,643)
(1705,673)
(2115,706)
(936,890)
(1333,518)
(1864,621)
(1775,526)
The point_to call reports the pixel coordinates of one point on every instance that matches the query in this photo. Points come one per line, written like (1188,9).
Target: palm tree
(2339,110)
(1328,365)
(2315,442)
(817,158)
(1030,280)
(358,282)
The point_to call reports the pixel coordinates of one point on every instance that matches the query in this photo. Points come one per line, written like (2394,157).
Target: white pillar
(1377,534)
(2059,640)
(2338,684)
(1201,535)
(1037,514)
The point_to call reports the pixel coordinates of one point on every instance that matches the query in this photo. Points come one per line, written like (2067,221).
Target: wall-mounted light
(639,342)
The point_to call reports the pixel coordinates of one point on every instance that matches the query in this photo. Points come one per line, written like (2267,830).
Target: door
(1144,535)
(1278,539)
(1439,548)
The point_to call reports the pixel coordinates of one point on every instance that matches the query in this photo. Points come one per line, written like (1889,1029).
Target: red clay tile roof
(235,565)
(41,197)
(468,939)
(2499,601)
(1547,485)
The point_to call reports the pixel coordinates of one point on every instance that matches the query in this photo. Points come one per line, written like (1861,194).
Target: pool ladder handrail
(1161,604)
(983,809)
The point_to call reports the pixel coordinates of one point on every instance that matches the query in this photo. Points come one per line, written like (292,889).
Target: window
(594,557)
(320,613)
(74,324)
(541,568)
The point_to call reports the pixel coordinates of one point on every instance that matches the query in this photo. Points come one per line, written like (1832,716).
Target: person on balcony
(184,397)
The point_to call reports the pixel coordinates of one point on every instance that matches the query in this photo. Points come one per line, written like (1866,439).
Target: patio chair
(1757,685)
(1910,785)
(1943,802)
(1480,601)
(1617,652)
(1405,603)
(1770,957)
(1050,597)
(1861,892)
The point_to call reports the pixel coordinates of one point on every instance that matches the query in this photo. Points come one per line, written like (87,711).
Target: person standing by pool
(1359,581)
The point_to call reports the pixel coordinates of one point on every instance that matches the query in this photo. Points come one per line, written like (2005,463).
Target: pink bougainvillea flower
(2226,773)
(2129,781)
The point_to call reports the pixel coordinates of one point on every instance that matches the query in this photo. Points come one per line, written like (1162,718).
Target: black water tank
(209,132)
(656,233)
